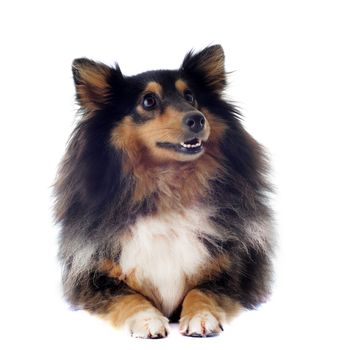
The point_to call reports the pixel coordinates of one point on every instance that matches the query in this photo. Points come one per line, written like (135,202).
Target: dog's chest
(164,252)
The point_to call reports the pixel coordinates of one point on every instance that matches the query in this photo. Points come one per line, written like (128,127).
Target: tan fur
(232,308)
(154,87)
(214,68)
(177,185)
(213,268)
(166,127)
(151,87)
(95,76)
(176,188)
(93,87)
(119,311)
(125,307)
(143,288)
(219,306)
(180,85)
(197,301)
(210,270)
(144,114)
(111,269)
(217,129)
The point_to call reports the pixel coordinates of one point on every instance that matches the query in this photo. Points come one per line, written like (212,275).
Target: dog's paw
(201,324)
(149,324)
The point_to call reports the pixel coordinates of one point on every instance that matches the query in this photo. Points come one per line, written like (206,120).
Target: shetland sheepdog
(162,200)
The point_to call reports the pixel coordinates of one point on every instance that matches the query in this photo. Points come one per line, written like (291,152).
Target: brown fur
(196,302)
(181,85)
(92,85)
(213,268)
(126,306)
(154,87)
(144,288)
(214,68)
(177,186)
(118,169)
(111,269)
(217,131)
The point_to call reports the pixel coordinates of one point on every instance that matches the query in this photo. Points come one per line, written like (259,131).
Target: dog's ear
(93,83)
(207,67)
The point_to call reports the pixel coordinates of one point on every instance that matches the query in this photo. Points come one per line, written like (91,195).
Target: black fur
(93,193)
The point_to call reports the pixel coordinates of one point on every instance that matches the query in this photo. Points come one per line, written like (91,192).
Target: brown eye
(189,96)
(149,101)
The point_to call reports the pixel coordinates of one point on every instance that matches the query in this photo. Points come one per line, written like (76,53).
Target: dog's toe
(148,324)
(202,324)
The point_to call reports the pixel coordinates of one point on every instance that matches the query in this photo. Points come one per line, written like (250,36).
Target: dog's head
(159,115)
(165,135)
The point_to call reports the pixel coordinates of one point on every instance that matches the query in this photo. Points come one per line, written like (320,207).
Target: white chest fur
(166,250)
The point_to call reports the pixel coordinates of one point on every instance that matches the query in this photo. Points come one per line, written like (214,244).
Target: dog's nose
(194,122)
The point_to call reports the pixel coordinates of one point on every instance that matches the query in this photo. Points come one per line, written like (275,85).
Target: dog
(163,200)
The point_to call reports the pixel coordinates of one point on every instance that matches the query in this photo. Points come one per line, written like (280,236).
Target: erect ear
(207,67)
(93,83)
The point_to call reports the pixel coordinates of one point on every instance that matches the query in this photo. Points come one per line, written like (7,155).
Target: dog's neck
(176,185)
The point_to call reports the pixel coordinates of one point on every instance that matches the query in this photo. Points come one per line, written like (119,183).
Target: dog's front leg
(136,313)
(204,312)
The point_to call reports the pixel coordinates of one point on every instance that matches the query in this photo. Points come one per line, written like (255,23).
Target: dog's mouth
(192,146)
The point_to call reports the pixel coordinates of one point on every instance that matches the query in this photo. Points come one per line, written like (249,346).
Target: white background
(292,81)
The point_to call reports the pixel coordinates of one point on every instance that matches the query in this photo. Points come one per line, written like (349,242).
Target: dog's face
(166,121)
(159,115)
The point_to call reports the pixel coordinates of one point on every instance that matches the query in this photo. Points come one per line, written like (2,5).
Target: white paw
(202,324)
(148,324)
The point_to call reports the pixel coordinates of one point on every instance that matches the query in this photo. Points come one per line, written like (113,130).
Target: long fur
(97,181)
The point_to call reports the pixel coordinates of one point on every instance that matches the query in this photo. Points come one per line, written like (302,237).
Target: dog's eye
(189,96)
(149,101)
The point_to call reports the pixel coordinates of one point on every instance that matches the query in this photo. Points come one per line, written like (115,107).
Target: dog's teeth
(189,145)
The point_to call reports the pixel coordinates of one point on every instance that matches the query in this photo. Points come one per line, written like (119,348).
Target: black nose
(194,121)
